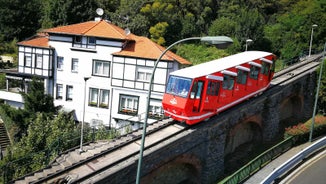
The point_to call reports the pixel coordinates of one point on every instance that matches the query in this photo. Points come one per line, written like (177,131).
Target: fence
(253,166)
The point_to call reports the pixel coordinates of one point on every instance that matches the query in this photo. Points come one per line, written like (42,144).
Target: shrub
(304,128)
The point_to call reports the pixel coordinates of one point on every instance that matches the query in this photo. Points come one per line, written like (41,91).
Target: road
(312,172)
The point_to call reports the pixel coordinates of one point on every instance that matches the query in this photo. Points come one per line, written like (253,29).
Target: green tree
(126,15)
(36,101)
(81,11)
(290,35)
(19,18)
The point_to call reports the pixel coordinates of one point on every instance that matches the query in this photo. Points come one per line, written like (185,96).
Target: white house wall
(45,70)
(66,77)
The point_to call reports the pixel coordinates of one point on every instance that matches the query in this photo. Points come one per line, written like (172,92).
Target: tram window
(228,82)
(265,68)
(196,90)
(178,86)
(273,66)
(213,88)
(242,77)
(200,87)
(254,72)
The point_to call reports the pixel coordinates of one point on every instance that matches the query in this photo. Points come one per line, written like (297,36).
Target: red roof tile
(143,47)
(39,40)
(137,46)
(91,28)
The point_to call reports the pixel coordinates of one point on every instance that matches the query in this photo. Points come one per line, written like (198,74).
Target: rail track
(295,71)
(102,156)
(105,157)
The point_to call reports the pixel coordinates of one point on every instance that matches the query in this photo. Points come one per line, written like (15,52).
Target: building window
(143,74)
(228,82)
(78,39)
(128,105)
(59,91)
(242,77)
(60,63)
(104,98)
(69,93)
(155,110)
(91,42)
(101,68)
(28,61)
(74,65)
(98,98)
(93,97)
(39,61)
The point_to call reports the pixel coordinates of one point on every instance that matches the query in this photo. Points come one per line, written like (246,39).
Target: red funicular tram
(198,92)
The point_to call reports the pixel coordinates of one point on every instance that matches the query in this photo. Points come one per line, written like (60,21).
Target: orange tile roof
(137,46)
(143,47)
(91,28)
(39,40)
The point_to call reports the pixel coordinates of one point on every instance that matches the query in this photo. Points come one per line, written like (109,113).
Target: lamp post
(312,33)
(82,125)
(219,41)
(316,97)
(247,43)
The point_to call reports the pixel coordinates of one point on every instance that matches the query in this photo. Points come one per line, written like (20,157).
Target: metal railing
(295,160)
(253,166)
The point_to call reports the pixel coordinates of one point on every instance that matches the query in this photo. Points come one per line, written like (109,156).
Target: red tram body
(196,93)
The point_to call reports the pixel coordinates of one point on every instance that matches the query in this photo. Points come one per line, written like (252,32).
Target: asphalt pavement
(269,168)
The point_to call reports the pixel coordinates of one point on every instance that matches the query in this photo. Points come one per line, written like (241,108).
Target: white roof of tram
(221,64)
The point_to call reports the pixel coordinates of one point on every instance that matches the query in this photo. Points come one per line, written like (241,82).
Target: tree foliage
(19,19)
(36,100)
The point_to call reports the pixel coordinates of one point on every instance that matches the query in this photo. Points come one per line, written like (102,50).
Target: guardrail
(253,166)
(295,160)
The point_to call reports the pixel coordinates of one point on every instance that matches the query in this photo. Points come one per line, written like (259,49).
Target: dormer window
(78,39)
(84,42)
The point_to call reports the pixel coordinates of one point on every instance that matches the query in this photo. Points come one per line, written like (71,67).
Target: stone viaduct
(201,154)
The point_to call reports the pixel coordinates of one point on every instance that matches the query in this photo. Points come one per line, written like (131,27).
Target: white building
(117,66)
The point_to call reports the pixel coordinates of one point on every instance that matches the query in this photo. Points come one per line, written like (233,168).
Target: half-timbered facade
(98,66)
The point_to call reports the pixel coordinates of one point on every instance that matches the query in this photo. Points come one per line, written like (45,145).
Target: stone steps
(66,160)
(4,139)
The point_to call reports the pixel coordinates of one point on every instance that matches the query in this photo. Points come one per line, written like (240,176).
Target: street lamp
(316,97)
(82,125)
(219,41)
(247,43)
(312,33)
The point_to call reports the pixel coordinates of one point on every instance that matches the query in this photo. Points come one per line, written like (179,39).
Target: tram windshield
(178,86)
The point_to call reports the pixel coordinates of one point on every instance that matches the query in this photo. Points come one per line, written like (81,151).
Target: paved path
(265,171)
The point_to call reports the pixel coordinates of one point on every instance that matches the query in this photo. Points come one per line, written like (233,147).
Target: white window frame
(99,70)
(155,109)
(91,42)
(104,99)
(39,61)
(99,100)
(128,104)
(144,74)
(60,62)
(69,92)
(74,64)
(28,60)
(59,91)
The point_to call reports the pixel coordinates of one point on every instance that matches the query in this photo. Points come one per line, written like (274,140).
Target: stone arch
(291,110)
(240,141)
(248,130)
(183,169)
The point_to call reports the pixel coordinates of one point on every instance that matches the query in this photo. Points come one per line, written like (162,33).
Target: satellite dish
(99,11)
